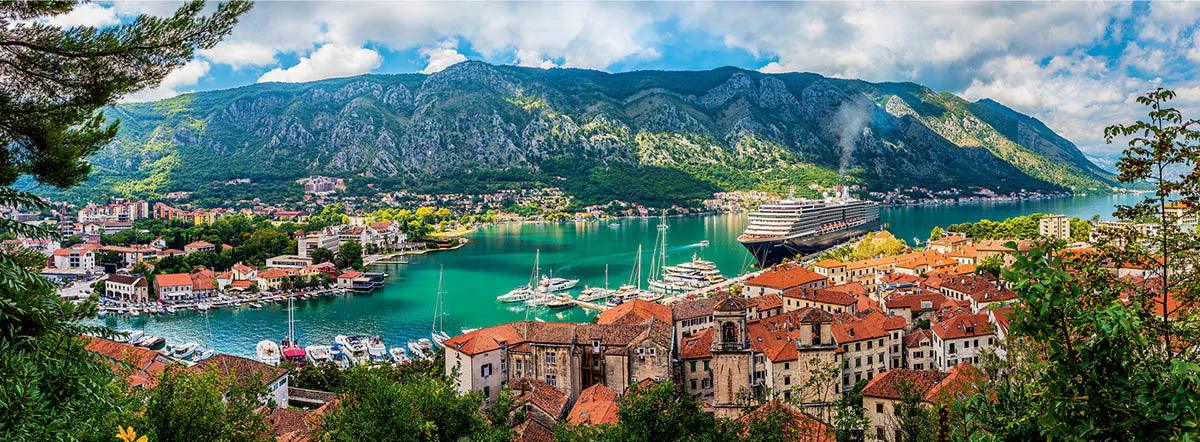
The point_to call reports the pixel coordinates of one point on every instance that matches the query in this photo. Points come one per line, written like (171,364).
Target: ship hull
(769,252)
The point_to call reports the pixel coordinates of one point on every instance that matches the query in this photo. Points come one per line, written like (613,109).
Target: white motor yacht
(318,354)
(555,284)
(519,294)
(398,355)
(376,349)
(268,352)
(353,346)
(182,351)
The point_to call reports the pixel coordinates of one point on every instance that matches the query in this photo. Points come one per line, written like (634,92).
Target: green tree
(936,233)
(662,412)
(913,420)
(421,408)
(321,254)
(54,83)
(849,423)
(350,254)
(189,406)
(265,242)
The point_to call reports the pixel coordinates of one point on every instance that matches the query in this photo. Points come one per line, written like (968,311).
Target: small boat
(376,350)
(295,354)
(203,354)
(421,348)
(398,355)
(437,331)
(169,309)
(466,330)
(647,295)
(182,351)
(268,352)
(129,336)
(339,356)
(255,305)
(318,354)
(203,307)
(152,342)
(614,225)
(560,301)
(704,243)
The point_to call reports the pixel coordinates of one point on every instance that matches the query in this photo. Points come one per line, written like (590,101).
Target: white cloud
(330,60)
(441,56)
(534,59)
(187,75)
(240,54)
(86,14)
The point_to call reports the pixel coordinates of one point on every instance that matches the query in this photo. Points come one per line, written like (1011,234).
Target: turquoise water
(500,258)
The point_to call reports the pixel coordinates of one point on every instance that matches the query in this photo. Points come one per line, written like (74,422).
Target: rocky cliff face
(727,127)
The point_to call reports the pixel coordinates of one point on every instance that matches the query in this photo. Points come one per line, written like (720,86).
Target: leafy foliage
(188,406)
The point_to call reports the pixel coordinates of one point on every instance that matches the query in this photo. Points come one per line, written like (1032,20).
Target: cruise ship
(797,227)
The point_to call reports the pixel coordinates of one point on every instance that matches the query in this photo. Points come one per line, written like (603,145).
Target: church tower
(731,356)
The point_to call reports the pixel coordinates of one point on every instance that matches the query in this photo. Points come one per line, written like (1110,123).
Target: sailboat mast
(606,277)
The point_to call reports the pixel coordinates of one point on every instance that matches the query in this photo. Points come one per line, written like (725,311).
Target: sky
(1076,66)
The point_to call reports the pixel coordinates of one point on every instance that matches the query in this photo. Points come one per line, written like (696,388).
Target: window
(966,344)
(857,362)
(857,346)
(518,364)
(693,383)
(881,342)
(869,359)
(787,380)
(787,366)
(552,380)
(487,392)
(692,366)
(550,358)
(916,354)
(706,383)
(879,407)
(705,365)
(651,351)
(485,370)
(869,344)
(952,349)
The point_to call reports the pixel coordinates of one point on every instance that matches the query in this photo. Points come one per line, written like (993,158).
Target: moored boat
(267,352)
(376,349)
(318,354)
(398,355)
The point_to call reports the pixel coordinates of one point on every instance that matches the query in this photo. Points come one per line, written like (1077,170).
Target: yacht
(182,351)
(376,349)
(398,355)
(691,275)
(152,342)
(353,346)
(438,332)
(796,227)
(560,301)
(525,292)
(340,357)
(130,336)
(318,354)
(551,284)
(202,354)
(291,348)
(268,352)
(519,294)
(421,348)
(647,295)
(592,294)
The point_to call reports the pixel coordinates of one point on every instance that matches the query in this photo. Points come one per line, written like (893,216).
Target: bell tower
(731,356)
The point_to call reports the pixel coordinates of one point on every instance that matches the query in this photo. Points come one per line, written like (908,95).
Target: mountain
(652,136)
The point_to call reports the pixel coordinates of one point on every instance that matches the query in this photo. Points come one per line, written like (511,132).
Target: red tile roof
(913,340)
(913,301)
(484,339)
(785,276)
(635,311)
(855,329)
(697,346)
(959,382)
(768,302)
(350,274)
(597,405)
(173,279)
(540,394)
(142,364)
(532,431)
(963,326)
(888,385)
(824,296)
(239,368)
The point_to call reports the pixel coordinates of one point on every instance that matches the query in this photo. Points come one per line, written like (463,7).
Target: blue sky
(1076,66)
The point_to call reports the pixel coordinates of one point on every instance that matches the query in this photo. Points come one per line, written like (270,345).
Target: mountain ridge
(720,129)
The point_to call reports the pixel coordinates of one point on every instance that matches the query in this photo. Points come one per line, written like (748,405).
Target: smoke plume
(851,119)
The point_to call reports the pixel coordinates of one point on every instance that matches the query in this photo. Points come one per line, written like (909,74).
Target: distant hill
(653,136)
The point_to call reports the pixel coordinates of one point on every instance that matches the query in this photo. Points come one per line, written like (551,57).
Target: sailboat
(633,289)
(658,259)
(525,292)
(590,294)
(439,313)
(291,349)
